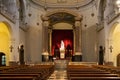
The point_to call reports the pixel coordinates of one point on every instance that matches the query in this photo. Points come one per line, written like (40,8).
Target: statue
(62,50)
(62,47)
(21,55)
(101,55)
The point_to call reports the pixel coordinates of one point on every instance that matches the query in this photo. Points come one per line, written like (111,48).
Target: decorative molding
(8,16)
(56,4)
(99,26)
(23,26)
(112,17)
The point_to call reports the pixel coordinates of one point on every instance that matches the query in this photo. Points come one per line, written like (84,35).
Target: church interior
(59,39)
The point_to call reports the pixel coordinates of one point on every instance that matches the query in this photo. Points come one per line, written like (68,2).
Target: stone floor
(59,75)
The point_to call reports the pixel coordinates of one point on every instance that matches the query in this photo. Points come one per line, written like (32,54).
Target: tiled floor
(58,75)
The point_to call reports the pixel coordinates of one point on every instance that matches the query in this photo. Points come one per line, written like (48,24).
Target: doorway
(5,37)
(2,59)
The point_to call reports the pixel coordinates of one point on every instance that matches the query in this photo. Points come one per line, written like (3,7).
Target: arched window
(3,60)
(117,6)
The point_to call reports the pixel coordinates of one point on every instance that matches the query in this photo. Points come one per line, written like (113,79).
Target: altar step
(61,64)
(59,75)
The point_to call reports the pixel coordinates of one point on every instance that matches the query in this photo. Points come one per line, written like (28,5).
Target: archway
(118,60)
(5,41)
(61,17)
(2,59)
(114,43)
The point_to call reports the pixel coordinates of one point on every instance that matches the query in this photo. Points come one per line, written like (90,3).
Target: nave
(50,72)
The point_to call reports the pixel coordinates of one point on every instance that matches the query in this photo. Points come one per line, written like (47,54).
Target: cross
(11,48)
(111,49)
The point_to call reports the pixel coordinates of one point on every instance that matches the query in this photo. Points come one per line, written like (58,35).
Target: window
(3,60)
(117,4)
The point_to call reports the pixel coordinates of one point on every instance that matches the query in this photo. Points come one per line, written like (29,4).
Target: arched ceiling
(62,3)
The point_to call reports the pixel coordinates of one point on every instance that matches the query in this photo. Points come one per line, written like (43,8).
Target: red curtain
(59,35)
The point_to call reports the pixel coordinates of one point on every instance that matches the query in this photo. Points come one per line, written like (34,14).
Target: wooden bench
(42,71)
(94,78)
(89,73)
(18,78)
(92,75)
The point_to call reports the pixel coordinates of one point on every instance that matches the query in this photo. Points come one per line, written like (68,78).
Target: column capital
(44,18)
(78,18)
(77,23)
(46,23)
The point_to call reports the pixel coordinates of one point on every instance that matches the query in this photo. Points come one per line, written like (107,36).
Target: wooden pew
(77,72)
(94,78)
(18,78)
(93,75)
(44,71)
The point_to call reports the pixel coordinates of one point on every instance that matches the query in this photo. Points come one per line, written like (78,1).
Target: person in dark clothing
(101,55)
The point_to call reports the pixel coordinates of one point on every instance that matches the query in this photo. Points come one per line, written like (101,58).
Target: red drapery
(59,35)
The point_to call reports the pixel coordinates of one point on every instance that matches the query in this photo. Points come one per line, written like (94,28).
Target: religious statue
(101,55)
(62,50)
(62,47)
(21,55)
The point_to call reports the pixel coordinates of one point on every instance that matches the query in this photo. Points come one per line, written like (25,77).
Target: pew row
(83,72)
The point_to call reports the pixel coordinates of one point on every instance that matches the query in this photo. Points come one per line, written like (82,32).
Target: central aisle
(59,75)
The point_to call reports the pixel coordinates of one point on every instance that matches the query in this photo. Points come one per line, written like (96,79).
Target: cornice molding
(47,5)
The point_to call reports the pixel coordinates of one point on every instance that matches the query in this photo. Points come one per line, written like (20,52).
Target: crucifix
(11,48)
(111,48)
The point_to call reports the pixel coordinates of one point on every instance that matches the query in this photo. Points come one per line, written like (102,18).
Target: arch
(112,29)
(118,59)
(2,59)
(8,26)
(114,43)
(61,16)
(62,10)
(77,16)
(5,41)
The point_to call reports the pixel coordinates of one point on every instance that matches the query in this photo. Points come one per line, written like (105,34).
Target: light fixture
(118,2)
(118,5)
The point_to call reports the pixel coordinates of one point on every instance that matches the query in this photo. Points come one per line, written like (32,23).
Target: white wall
(14,29)
(89,33)
(34,34)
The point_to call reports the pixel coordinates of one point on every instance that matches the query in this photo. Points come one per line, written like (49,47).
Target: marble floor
(59,75)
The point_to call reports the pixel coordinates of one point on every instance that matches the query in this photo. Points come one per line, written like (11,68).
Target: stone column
(50,41)
(77,35)
(45,34)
